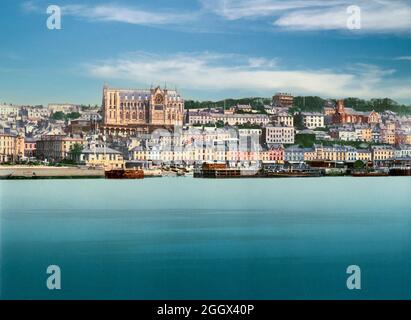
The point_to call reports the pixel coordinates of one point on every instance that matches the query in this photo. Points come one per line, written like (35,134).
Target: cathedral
(132,110)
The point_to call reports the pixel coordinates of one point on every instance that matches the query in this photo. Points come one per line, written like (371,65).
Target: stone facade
(135,107)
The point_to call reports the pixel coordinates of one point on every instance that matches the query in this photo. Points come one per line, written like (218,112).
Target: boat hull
(124,174)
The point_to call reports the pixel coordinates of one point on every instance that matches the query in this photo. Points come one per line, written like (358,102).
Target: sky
(207,49)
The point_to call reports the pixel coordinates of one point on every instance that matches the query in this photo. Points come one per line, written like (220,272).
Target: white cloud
(238,9)
(404,58)
(211,72)
(377,15)
(118,13)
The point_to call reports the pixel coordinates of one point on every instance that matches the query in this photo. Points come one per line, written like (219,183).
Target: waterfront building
(55,148)
(294,154)
(284,100)
(335,153)
(11,148)
(364,155)
(278,135)
(382,153)
(272,154)
(351,154)
(310,154)
(312,120)
(30,147)
(102,156)
(127,110)
(403,151)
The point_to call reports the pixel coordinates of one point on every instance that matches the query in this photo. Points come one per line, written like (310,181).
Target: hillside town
(151,129)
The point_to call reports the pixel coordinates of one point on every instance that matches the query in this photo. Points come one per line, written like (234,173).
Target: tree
(358,164)
(75,151)
(73,115)
(58,115)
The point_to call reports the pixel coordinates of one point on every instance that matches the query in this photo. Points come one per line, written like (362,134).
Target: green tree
(73,115)
(358,164)
(58,115)
(75,151)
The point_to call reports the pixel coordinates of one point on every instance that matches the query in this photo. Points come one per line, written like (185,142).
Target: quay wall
(33,172)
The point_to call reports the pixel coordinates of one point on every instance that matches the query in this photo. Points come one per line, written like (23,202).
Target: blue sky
(206,49)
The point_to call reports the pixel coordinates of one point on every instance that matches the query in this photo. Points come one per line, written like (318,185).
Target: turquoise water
(184,238)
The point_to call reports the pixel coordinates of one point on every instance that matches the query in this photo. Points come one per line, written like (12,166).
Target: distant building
(294,154)
(364,155)
(243,108)
(329,111)
(30,147)
(364,133)
(63,107)
(283,119)
(7,110)
(250,132)
(35,113)
(403,151)
(344,134)
(388,133)
(273,154)
(205,117)
(101,156)
(344,115)
(55,148)
(382,153)
(11,148)
(284,100)
(280,135)
(128,109)
(403,137)
(312,120)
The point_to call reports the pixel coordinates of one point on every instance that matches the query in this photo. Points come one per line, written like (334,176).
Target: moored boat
(125,174)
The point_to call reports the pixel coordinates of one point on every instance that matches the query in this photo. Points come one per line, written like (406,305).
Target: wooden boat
(125,174)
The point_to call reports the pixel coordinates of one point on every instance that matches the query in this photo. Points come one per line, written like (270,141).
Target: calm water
(184,238)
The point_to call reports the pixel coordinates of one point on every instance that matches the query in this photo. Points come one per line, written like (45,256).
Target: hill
(308,103)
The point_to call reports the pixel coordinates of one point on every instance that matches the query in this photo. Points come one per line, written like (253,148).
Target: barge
(125,174)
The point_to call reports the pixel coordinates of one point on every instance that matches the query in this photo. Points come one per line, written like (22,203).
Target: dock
(45,172)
